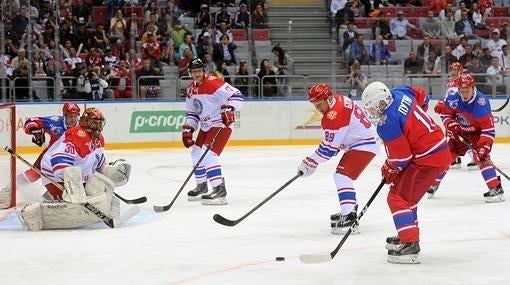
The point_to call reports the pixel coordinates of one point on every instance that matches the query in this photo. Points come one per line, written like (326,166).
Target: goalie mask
(93,122)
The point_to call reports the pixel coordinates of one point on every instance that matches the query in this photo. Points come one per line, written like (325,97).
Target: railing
(268,87)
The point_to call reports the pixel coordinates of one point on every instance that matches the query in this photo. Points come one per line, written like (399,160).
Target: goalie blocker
(69,213)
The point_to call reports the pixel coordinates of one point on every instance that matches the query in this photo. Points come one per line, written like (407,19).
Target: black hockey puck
(280,258)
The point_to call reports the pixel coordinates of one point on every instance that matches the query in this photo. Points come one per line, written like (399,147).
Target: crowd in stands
(426,37)
(95,49)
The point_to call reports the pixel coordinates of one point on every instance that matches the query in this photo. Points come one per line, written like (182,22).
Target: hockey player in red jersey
(345,128)
(417,152)
(55,126)
(211,104)
(469,123)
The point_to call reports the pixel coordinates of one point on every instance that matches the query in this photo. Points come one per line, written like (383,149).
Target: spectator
(165,26)
(184,62)
(109,59)
(82,37)
(459,49)
(205,45)
(413,64)
(349,36)
(149,85)
(357,51)
(151,29)
(97,86)
(432,65)
(151,11)
(480,74)
(379,53)
(242,79)
(284,67)
(448,27)
(457,16)
(223,30)
(21,56)
(465,26)
(505,57)
(486,57)
(399,26)
(468,56)
(203,17)
(94,58)
(259,17)
(443,13)
(152,50)
(82,13)
(118,26)
(431,26)
(178,36)
(222,72)
(112,5)
(486,8)
(20,79)
(475,15)
(344,16)
(381,27)
(188,42)
(267,79)
(357,80)
(11,45)
(242,17)
(223,16)
(424,48)
(100,40)
(224,52)
(122,83)
(495,75)
(20,22)
(495,44)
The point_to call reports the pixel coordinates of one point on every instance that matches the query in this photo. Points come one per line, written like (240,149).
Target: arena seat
(261,35)
(100,14)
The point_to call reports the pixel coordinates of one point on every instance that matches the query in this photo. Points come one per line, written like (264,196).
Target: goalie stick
(165,208)
(502,107)
(226,222)
(91,208)
(319,258)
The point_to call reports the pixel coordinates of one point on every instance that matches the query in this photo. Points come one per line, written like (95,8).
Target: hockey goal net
(7,162)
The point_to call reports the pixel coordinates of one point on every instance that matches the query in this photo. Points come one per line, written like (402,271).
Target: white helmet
(373,94)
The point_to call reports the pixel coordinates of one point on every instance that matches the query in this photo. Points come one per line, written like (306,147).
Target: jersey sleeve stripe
(437,147)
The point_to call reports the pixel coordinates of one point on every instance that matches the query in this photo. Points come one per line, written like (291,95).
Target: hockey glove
(227,115)
(37,136)
(187,135)
(389,172)
(483,153)
(440,106)
(453,130)
(307,167)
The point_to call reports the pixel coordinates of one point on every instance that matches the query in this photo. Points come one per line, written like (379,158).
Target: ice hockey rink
(463,239)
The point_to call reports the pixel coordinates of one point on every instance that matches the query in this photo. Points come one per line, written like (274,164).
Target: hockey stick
(226,222)
(165,208)
(319,258)
(91,208)
(502,107)
(488,159)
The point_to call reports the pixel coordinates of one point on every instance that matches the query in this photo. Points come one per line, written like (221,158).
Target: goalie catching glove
(227,115)
(37,136)
(307,166)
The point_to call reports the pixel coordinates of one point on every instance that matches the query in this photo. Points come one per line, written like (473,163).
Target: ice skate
(405,253)
(340,224)
(196,194)
(494,195)
(217,197)
(456,164)
(432,190)
(392,243)
(472,166)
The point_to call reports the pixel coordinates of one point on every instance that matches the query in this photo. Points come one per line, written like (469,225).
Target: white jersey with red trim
(345,127)
(451,87)
(204,101)
(74,148)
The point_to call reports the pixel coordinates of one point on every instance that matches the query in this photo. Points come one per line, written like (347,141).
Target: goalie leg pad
(31,216)
(118,173)
(74,192)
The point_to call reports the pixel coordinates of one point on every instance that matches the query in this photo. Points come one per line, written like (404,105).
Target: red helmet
(70,108)
(457,65)
(465,80)
(320,91)
(93,121)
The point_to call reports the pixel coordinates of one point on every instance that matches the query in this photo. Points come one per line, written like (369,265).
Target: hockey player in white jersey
(345,128)
(211,104)
(76,161)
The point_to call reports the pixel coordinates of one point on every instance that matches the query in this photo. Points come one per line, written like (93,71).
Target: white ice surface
(463,239)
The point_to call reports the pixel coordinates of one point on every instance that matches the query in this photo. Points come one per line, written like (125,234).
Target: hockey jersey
(475,117)
(74,148)
(345,126)
(53,125)
(410,134)
(204,101)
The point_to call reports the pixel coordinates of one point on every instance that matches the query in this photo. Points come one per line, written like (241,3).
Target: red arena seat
(100,14)
(261,35)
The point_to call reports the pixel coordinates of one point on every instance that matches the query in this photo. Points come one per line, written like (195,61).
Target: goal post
(7,162)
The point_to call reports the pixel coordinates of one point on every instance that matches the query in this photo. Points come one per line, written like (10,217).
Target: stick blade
(159,209)
(315,258)
(224,221)
(137,200)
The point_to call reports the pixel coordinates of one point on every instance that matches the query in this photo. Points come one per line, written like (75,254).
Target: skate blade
(404,259)
(217,201)
(430,195)
(342,231)
(455,166)
(495,199)
(195,198)
(475,167)
(391,246)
